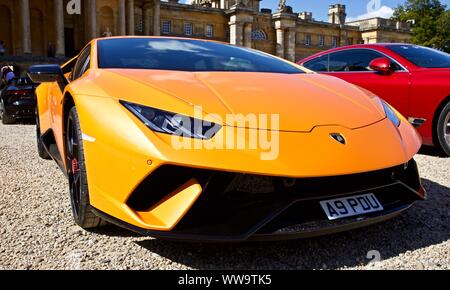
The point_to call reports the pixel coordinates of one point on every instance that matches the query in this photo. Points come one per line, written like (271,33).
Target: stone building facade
(33,27)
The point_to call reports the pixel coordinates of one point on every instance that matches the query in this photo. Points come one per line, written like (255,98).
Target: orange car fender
(116,149)
(43,107)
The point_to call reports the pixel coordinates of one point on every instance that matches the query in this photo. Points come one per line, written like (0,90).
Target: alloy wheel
(447,129)
(73,166)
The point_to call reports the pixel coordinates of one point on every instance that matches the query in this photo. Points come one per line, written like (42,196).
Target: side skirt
(48,139)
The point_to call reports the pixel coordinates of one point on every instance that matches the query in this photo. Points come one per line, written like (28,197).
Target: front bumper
(122,155)
(239,207)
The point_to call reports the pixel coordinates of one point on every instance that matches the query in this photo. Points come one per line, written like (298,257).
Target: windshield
(23,81)
(186,55)
(422,56)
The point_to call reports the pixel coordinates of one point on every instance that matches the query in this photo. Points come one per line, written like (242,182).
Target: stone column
(92,19)
(248,35)
(130,17)
(280,42)
(122,18)
(59,23)
(223,4)
(236,34)
(157,17)
(285,25)
(290,44)
(26,30)
(241,19)
(147,14)
(342,36)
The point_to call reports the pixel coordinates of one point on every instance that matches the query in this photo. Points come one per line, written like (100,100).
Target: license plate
(351,206)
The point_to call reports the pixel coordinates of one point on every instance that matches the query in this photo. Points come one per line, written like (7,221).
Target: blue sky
(355,8)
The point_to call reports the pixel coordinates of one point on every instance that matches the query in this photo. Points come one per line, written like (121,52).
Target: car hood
(302,101)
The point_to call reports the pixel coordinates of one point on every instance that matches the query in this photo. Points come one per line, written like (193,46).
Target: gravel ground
(37,231)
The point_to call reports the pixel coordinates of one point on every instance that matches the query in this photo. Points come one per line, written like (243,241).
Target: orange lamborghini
(199,140)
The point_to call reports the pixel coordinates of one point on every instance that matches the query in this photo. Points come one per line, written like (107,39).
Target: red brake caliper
(74,165)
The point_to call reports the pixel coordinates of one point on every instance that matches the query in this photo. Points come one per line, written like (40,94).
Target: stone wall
(28,26)
(199,17)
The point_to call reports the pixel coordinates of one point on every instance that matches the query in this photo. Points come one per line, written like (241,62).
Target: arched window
(259,34)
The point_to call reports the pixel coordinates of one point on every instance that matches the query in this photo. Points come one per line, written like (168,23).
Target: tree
(431,22)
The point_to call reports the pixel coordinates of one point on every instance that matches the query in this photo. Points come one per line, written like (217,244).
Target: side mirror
(46,73)
(382,65)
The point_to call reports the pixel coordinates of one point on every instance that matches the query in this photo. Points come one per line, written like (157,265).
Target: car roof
(376,46)
(158,37)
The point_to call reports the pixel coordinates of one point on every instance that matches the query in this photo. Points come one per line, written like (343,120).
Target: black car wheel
(79,193)
(443,129)
(40,146)
(5,118)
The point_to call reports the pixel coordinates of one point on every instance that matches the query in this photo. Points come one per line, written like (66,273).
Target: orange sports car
(199,140)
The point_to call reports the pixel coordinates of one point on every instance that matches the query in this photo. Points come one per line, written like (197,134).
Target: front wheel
(443,129)
(79,193)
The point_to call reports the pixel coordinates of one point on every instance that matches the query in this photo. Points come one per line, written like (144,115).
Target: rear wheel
(443,129)
(79,193)
(5,118)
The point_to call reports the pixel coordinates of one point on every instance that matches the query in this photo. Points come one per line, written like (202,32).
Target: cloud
(383,12)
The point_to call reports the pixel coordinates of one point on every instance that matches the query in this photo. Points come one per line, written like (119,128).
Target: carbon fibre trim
(48,139)
(290,217)
(319,231)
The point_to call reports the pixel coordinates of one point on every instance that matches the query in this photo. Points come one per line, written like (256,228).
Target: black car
(17,100)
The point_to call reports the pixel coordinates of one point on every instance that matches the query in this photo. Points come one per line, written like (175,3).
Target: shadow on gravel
(113,231)
(25,122)
(425,224)
(432,151)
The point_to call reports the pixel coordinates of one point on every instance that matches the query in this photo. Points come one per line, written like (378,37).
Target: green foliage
(432,22)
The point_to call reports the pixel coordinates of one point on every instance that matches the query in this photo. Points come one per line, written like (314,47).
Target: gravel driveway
(37,231)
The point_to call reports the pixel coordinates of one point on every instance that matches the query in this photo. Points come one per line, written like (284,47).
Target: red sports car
(414,79)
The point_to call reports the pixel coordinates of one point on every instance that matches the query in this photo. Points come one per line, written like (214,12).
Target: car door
(57,97)
(352,65)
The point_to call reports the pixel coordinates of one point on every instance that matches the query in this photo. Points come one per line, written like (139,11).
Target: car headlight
(172,123)
(390,114)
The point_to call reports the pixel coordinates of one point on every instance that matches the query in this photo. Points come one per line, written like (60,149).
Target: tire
(42,152)
(6,120)
(78,184)
(443,129)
